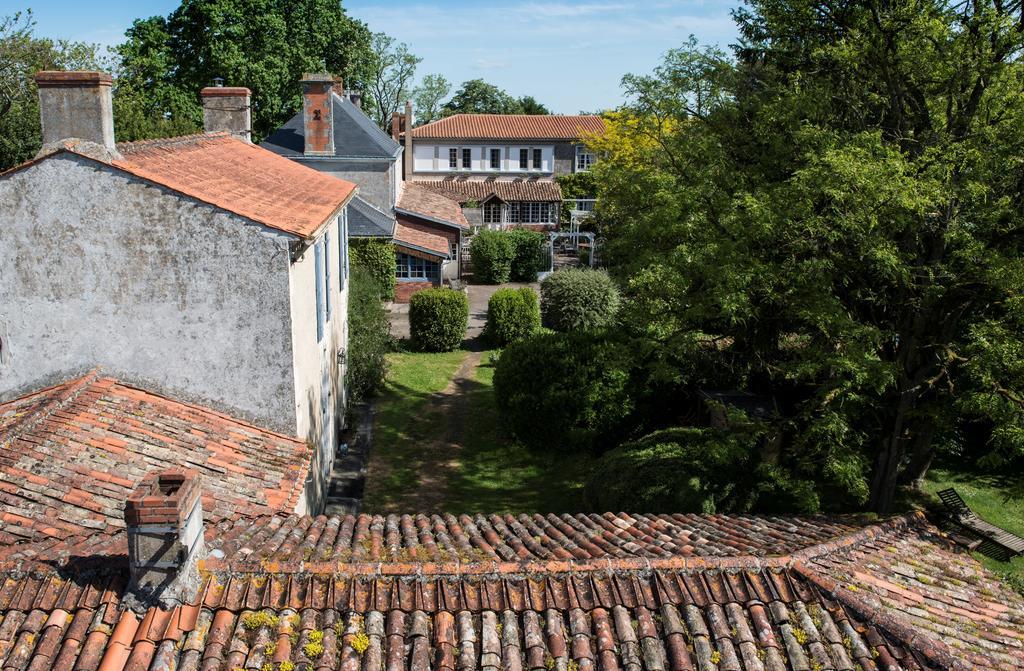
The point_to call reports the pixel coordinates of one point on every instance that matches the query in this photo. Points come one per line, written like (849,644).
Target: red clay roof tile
(420,237)
(511,127)
(416,199)
(465,190)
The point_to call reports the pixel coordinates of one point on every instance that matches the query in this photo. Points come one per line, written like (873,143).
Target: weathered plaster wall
(565,158)
(100,268)
(375,179)
(317,370)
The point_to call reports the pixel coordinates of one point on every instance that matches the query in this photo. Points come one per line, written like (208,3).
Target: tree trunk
(921,457)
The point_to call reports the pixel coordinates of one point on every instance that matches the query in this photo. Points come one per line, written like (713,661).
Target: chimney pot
(76,105)
(227,108)
(164,517)
(318,114)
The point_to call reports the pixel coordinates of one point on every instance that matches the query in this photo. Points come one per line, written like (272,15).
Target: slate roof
(355,135)
(508,191)
(511,127)
(341,593)
(72,453)
(417,200)
(366,221)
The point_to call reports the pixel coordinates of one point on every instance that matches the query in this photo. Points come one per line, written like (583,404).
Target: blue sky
(568,54)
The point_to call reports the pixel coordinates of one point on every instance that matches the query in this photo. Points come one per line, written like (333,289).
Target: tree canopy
(831,218)
(478,97)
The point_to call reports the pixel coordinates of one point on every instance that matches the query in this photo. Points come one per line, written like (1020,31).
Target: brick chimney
(76,105)
(227,108)
(318,114)
(396,126)
(407,154)
(164,516)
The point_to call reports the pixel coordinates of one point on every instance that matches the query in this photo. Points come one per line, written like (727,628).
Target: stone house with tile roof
(582,592)
(203,267)
(333,135)
(502,167)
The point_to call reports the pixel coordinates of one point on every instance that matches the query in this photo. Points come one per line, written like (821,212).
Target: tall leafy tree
(833,218)
(478,97)
(392,69)
(22,54)
(428,96)
(265,45)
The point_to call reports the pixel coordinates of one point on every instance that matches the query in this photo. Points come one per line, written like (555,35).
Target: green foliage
(391,71)
(575,185)
(565,392)
(22,54)
(377,257)
(478,97)
(512,314)
(578,299)
(265,45)
(492,253)
(694,470)
(427,97)
(837,209)
(528,256)
(369,336)
(438,319)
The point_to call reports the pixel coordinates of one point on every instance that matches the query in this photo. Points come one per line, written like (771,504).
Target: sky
(568,54)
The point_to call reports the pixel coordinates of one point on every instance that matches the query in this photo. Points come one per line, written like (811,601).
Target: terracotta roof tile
(511,127)
(464,190)
(72,454)
(426,202)
(421,237)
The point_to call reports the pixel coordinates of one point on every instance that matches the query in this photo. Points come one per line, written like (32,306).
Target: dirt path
(440,458)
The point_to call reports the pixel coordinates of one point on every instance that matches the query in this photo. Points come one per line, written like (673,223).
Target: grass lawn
(488,472)
(987,496)
(497,475)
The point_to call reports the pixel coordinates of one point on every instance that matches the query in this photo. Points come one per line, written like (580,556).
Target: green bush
(566,392)
(491,253)
(578,299)
(369,336)
(529,257)
(695,470)
(377,257)
(512,314)
(438,319)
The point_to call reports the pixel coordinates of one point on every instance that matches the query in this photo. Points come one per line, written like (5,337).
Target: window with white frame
(453,158)
(524,159)
(538,159)
(409,267)
(584,158)
(495,159)
(528,212)
(467,158)
(492,212)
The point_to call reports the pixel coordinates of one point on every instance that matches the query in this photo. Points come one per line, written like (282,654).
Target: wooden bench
(995,541)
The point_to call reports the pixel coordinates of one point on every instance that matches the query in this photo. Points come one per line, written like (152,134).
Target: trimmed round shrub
(376,257)
(578,299)
(696,470)
(512,314)
(438,319)
(491,253)
(567,392)
(529,257)
(369,336)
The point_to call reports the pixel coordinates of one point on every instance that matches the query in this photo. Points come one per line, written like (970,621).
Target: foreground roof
(355,135)
(481,191)
(512,127)
(568,592)
(228,173)
(74,452)
(413,198)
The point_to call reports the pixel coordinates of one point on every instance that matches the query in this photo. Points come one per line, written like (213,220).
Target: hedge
(369,336)
(566,392)
(438,319)
(491,253)
(376,257)
(578,299)
(512,314)
(528,257)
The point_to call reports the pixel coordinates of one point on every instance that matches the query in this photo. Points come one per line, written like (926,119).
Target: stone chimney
(356,97)
(407,154)
(76,105)
(164,516)
(318,114)
(227,108)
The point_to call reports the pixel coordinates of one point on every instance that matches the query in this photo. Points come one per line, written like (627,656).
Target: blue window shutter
(327,273)
(343,248)
(318,255)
